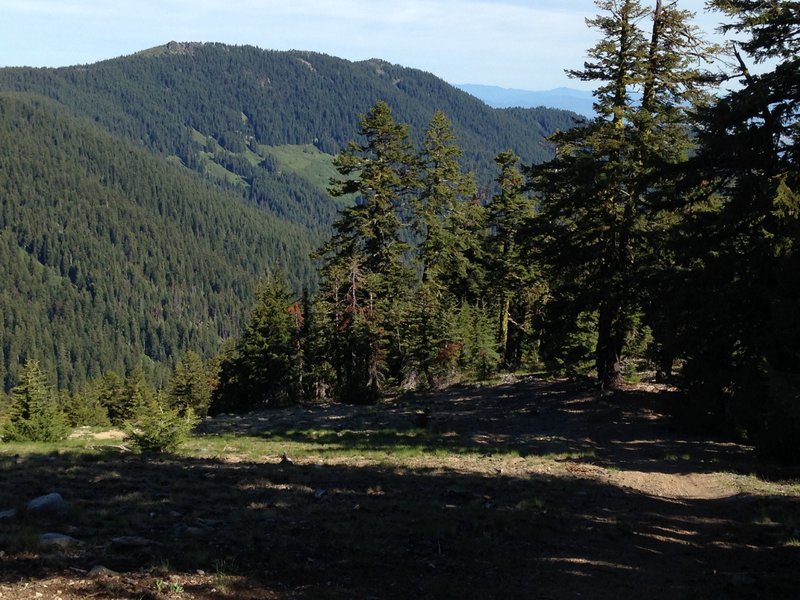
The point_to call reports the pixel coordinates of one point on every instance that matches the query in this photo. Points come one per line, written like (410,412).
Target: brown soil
(528,489)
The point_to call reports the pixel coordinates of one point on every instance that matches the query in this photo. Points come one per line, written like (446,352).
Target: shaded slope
(111,256)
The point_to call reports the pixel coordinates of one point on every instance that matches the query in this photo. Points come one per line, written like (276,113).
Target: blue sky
(523,44)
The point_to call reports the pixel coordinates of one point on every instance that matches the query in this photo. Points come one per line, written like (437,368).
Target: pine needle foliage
(34,414)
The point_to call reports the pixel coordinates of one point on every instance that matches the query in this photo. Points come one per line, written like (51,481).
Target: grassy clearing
(304,160)
(505,502)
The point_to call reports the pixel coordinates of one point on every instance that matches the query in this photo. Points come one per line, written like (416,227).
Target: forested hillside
(111,256)
(662,235)
(145,198)
(239,95)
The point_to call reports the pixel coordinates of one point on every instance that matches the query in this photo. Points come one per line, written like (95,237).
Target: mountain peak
(182,47)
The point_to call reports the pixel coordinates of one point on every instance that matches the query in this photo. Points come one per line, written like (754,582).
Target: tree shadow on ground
(633,430)
(265,530)
(524,522)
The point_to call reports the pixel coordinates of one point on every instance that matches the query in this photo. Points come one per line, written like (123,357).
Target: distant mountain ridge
(158,96)
(579,101)
(142,197)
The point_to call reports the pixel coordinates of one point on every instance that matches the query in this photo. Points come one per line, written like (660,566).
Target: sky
(522,44)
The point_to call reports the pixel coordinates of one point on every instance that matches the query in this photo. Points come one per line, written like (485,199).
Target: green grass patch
(219,172)
(379,444)
(382,442)
(304,160)
(198,137)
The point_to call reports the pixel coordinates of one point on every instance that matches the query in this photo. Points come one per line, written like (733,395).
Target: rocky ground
(526,489)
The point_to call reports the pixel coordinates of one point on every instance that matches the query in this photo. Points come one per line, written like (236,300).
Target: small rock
(50,503)
(132,541)
(44,458)
(319,493)
(101,571)
(285,460)
(57,540)
(8,514)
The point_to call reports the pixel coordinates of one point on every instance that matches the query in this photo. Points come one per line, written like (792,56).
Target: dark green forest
(660,236)
(112,257)
(172,180)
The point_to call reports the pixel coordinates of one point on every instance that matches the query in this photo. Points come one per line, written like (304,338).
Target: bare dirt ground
(528,489)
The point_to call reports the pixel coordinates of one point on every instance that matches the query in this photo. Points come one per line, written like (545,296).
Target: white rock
(49,503)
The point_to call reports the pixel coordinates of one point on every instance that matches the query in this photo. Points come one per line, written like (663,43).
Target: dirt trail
(667,485)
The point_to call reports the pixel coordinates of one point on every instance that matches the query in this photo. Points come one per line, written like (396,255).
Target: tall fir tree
(112,393)
(138,395)
(189,385)
(448,246)
(510,214)
(382,172)
(365,272)
(603,194)
(34,414)
(449,223)
(744,344)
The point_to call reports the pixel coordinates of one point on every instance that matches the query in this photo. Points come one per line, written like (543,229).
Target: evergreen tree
(114,397)
(449,223)
(382,173)
(84,409)
(189,385)
(434,337)
(317,375)
(510,215)
(447,248)
(604,193)
(263,369)
(366,278)
(160,427)
(137,396)
(34,413)
(477,338)
(744,341)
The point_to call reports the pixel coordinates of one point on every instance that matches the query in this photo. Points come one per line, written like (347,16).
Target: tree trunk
(608,354)
(504,314)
